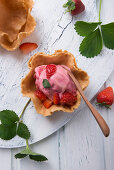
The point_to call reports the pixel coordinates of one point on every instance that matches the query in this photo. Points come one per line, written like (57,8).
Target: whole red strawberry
(74,6)
(50,70)
(40,95)
(68,99)
(106,97)
(56,98)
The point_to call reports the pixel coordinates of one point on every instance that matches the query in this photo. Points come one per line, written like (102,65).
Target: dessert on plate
(49,85)
(16,22)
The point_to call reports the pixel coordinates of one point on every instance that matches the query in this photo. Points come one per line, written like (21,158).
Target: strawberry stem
(24,108)
(27,145)
(100,11)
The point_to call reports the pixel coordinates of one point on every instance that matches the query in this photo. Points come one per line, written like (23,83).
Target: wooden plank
(5,159)
(109,142)
(48,147)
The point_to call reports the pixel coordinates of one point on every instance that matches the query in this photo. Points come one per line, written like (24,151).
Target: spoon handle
(102,123)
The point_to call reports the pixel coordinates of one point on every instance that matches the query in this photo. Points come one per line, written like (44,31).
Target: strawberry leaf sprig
(95,36)
(32,155)
(12,125)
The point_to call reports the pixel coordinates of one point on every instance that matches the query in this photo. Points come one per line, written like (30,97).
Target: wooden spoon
(102,123)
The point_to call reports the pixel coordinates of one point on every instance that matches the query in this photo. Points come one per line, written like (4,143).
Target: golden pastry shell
(16,22)
(59,58)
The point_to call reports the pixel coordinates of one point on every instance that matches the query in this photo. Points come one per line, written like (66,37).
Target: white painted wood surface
(80,145)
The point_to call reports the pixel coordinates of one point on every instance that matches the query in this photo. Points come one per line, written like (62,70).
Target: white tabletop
(80,145)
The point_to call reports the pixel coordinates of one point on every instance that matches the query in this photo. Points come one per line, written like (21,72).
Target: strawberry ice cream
(60,81)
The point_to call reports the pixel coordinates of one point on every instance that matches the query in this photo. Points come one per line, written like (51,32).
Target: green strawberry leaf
(46,83)
(38,157)
(70,5)
(103,104)
(23,131)
(19,156)
(108,35)
(8,117)
(8,132)
(32,155)
(92,44)
(23,153)
(85,28)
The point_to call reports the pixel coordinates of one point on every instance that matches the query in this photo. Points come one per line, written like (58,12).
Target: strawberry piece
(41,68)
(50,70)
(56,98)
(74,6)
(47,103)
(28,47)
(40,95)
(106,97)
(68,99)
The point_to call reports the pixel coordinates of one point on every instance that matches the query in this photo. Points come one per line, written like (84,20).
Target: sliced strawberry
(56,98)
(106,97)
(50,70)
(47,103)
(40,95)
(28,47)
(74,6)
(68,99)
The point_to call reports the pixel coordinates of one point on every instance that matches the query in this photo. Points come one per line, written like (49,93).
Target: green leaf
(70,5)
(8,132)
(108,35)
(46,83)
(104,104)
(19,155)
(22,154)
(38,157)
(23,131)
(85,28)
(8,117)
(92,44)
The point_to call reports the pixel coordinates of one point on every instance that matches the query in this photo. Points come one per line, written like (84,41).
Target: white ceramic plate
(55,30)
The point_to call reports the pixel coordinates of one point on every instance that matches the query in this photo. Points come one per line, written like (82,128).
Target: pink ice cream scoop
(60,81)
